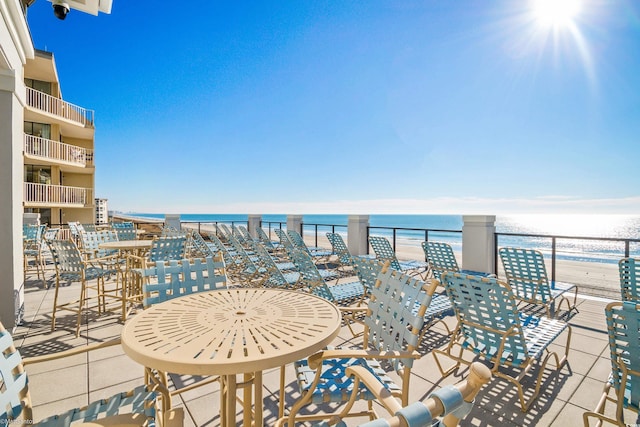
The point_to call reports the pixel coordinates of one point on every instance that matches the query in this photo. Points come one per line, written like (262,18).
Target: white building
(102,213)
(16,49)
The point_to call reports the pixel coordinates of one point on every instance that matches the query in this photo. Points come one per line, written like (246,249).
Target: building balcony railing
(57,195)
(58,107)
(56,151)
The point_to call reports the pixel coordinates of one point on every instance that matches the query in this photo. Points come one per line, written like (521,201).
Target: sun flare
(556,12)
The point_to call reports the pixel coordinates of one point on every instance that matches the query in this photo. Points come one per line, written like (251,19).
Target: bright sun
(556,12)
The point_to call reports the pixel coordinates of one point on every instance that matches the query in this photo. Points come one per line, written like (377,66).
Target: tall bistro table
(230,332)
(131,287)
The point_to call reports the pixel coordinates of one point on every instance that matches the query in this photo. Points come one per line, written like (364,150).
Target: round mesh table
(229,332)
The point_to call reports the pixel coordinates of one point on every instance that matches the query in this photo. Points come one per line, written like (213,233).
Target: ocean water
(576,239)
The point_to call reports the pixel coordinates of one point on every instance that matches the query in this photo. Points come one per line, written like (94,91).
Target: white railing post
(253,222)
(357,226)
(172,220)
(478,243)
(294,222)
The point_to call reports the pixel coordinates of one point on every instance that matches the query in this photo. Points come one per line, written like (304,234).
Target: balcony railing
(57,195)
(57,151)
(58,107)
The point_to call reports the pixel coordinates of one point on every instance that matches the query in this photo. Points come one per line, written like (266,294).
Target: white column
(357,234)
(294,222)
(253,222)
(172,220)
(478,243)
(11,196)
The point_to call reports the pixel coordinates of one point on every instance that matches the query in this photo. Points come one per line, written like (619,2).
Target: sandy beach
(593,278)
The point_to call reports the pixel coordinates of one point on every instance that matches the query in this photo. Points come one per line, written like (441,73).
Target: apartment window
(42,130)
(45,214)
(39,85)
(37,174)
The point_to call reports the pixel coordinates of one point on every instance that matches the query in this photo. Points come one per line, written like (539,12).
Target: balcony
(57,152)
(57,107)
(44,195)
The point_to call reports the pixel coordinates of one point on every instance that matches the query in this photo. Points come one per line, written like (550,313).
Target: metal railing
(56,106)
(624,248)
(56,151)
(215,223)
(332,227)
(60,195)
(394,233)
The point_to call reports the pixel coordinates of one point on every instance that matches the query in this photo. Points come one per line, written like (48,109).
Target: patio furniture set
(235,304)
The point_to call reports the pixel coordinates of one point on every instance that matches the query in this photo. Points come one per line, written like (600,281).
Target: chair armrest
(315,360)
(382,394)
(70,352)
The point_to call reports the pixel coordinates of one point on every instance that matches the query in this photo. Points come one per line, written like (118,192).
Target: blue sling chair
(319,255)
(491,327)
(391,332)
(527,276)
(629,269)
(278,275)
(384,251)
(142,406)
(270,245)
(623,387)
(165,280)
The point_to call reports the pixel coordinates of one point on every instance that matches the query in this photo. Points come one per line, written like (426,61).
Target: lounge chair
(247,271)
(143,405)
(623,386)
(318,254)
(527,276)
(342,253)
(289,248)
(344,294)
(629,269)
(276,277)
(197,247)
(260,253)
(390,333)
(491,326)
(270,245)
(234,264)
(383,250)
(127,225)
(441,258)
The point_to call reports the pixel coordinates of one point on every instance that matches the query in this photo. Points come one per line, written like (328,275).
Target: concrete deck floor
(58,386)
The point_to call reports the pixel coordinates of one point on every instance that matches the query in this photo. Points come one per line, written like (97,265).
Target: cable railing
(215,224)
(426,232)
(589,261)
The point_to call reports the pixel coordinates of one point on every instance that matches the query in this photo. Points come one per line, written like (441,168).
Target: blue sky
(356,106)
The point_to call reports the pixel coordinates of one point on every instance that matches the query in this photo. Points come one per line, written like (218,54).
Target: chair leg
(83,295)
(55,304)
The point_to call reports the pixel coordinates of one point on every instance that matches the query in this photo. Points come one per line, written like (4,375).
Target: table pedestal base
(252,396)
